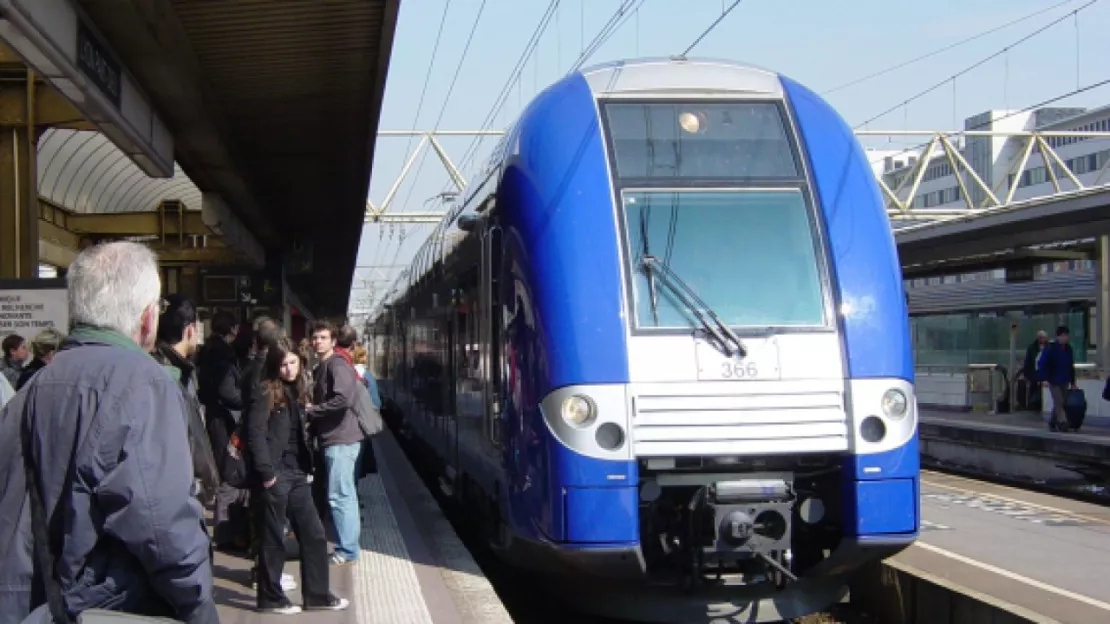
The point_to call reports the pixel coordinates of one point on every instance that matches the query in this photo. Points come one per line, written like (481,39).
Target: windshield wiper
(713,325)
(652,295)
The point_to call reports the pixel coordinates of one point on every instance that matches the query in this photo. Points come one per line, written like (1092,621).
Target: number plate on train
(760,363)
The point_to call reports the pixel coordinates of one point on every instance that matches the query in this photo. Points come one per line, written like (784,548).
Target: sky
(820,43)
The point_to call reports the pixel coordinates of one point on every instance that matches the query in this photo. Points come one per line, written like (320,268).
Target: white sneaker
(287,582)
(333,604)
(287,608)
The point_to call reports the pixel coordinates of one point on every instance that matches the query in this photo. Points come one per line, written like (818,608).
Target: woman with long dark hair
(281,462)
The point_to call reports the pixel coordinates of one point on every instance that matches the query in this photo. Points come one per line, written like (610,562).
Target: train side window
(468,371)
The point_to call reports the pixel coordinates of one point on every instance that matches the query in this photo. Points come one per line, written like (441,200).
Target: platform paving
(1040,553)
(413,569)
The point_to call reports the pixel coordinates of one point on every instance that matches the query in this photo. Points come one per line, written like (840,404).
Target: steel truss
(377,214)
(898,199)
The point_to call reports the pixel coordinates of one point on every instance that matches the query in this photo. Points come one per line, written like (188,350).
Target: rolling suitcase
(1075,408)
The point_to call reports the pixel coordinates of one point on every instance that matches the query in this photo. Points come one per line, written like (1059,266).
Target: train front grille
(745,419)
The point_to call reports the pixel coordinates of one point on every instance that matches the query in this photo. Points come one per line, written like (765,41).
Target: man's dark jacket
(29,371)
(333,396)
(220,391)
(1029,366)
(250,384)
(1058,365)
(108,445)
(200,449)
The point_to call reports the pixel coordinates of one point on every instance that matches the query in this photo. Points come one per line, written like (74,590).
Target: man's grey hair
(111,284)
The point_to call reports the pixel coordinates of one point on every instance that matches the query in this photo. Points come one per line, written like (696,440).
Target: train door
(440,376)
(449,418)
(469,379)
(491,337)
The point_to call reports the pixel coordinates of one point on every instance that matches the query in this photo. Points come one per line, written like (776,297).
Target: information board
(30,306)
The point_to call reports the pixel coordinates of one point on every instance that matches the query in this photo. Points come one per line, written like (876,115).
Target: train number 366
(739,370)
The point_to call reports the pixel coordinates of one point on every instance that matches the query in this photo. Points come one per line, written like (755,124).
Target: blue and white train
(660,346)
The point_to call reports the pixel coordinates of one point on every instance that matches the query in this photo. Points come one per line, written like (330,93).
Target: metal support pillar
(1102,303)
(19,214)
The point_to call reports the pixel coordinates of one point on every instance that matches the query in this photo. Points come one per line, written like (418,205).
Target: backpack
(233,463)
(369,418)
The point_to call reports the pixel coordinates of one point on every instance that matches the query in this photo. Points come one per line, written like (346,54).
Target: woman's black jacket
(268,436)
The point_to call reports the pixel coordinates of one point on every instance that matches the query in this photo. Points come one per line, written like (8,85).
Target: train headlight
(578,411)
(895,404)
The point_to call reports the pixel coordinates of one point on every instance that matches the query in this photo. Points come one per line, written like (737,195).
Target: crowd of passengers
(98,507)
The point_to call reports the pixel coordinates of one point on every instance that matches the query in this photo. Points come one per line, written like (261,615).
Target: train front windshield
(714,191)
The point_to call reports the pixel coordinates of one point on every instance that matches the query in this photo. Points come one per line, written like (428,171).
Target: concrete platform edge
(453,585)
(897,593)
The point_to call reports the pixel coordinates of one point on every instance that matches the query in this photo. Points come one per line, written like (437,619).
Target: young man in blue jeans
(336,425)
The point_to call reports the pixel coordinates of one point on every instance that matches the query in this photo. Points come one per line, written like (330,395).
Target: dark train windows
(700,139)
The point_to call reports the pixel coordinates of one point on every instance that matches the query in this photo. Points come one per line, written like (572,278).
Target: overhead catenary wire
(514,75)
(943,49)
(447,98)
(712,26)
(423,93)
(427,77)
(615,21)
(1026,109)
(607,30)
(626,10)
(506,89)
(975,65)
(522,60)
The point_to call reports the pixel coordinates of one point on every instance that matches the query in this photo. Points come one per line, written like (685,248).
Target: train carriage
(662,342)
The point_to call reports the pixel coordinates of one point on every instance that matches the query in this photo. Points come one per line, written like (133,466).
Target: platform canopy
(85,172)
(1038,221)
(273,106)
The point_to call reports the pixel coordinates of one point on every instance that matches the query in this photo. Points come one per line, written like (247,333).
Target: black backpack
(233,459)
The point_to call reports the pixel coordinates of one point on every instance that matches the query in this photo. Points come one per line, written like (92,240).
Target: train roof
(673,76)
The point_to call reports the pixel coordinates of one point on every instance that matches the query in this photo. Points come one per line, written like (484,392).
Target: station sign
(298,259)
(28,306)
(238,288)
(98,64)
(57,40)
(267,284)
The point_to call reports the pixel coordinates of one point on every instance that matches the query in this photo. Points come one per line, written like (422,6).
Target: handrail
(1084,370)
(962,368)
(969,371)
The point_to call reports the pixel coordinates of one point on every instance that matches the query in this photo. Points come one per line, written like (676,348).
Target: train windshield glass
(700,140)
(750,255)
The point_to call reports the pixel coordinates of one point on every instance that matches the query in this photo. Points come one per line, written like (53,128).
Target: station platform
(1017,422)
(1036,557)
(1017,445)
(413,569)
